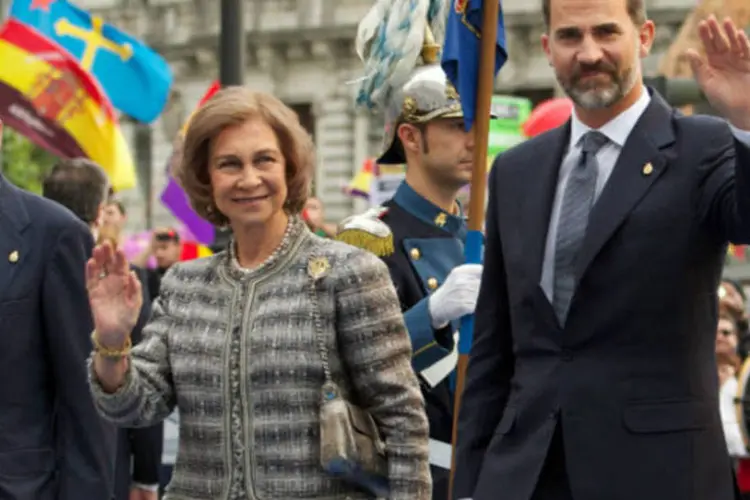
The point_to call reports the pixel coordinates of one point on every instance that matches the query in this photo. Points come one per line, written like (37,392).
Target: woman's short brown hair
(234,106)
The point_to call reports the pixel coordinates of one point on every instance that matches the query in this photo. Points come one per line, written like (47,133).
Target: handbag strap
(317,268)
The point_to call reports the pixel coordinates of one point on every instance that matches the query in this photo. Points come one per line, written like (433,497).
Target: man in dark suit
(592,374)
(81,186)
(53,444)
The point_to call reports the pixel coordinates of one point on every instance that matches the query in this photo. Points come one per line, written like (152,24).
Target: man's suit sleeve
(724,199)
(85,442)
(491,360)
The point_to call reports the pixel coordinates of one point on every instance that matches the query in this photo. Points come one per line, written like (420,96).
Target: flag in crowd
(174,197)
(361,184)
(461,61)
(46,96)
(136,79)
(194,250)
(461,50)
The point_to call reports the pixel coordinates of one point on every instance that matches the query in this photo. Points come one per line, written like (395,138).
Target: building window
(306,118)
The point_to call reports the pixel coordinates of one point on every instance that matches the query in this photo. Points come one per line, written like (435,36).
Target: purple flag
(174,198)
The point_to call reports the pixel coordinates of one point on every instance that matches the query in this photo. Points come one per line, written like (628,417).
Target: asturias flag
(135,78)
(46,96)
(461,51)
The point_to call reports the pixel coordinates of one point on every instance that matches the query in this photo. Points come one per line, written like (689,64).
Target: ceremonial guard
(420,232)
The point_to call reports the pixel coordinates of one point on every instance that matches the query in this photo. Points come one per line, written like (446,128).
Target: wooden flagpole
(485,89)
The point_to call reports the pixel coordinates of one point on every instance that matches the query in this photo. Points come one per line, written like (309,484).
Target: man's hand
(724,73)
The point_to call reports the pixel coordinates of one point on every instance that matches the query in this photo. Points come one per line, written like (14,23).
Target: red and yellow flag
(736,251)
(193,250)
(46,96)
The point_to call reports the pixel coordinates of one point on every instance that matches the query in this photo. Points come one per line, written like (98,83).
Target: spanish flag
(736,251)
(192,250)
(46,96)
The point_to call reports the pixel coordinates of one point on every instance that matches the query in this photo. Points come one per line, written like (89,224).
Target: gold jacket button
(432,283)
(414,253)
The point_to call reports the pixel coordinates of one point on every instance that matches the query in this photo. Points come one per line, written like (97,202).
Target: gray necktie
(574,217)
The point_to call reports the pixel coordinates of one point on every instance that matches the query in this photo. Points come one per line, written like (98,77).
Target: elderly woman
(236,340)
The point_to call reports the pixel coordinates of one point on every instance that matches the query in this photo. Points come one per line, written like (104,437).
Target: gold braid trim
(108,352)
(382,246)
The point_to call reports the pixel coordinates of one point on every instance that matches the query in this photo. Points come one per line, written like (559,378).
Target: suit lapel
(538,198)
(14,219)
(630,178)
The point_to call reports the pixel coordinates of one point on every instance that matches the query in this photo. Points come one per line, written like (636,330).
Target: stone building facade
(303,52)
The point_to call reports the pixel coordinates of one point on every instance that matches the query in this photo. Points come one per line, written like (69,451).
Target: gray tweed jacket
(235,351)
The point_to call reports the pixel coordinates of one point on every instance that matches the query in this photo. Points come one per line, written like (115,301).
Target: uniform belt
(441,454)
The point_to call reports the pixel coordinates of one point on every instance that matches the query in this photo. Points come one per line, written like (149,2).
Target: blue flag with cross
(136,79)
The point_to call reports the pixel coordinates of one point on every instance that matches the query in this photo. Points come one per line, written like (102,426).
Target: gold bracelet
(108,352)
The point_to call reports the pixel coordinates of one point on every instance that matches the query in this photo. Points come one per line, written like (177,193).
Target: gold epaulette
(368,232)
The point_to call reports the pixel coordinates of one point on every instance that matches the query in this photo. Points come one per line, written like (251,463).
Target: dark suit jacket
(631,379)
(138,450)
(53,444)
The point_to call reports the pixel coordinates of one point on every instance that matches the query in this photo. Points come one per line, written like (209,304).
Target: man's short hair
(636,11)
(78,184)
(167,234)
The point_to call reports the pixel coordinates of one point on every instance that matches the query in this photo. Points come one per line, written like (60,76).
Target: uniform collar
(423,209)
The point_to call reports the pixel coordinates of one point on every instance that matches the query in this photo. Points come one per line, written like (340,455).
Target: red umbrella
(548,115)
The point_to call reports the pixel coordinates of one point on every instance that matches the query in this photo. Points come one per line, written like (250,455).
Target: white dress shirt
(617,131)
(728,412)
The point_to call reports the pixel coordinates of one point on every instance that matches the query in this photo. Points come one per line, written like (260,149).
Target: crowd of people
(318,361)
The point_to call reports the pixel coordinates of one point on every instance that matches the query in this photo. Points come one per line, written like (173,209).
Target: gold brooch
(318,267)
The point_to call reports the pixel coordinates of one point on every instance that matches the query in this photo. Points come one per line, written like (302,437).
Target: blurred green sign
(505,130)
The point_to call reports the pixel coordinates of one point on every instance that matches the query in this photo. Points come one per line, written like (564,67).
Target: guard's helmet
(426,96)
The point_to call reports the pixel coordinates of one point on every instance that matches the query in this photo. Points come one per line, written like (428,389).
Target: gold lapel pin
(13,256)
(441,219)
(648,169)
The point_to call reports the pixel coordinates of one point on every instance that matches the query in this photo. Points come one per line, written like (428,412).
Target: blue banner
(461,51)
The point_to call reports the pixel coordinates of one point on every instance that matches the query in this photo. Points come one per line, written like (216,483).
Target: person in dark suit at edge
(592,373)
(80,185)
(53,443)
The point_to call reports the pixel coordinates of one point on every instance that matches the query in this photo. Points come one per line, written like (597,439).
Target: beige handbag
(351,447)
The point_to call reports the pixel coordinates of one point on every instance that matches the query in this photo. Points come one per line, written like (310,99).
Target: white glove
(457,297)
